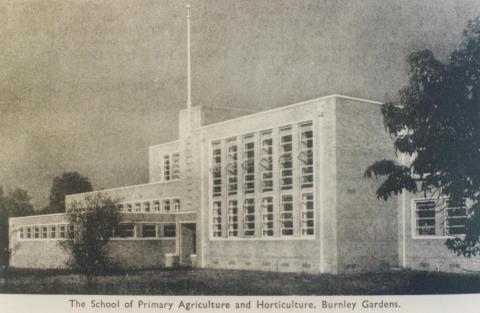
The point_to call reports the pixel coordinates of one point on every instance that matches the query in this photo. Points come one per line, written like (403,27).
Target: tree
(16,203)
(437,123)
(91,226)
(66,184)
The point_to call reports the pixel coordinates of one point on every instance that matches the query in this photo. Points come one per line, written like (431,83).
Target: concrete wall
(366,227)
(125,252)
(275,254)
(36,253)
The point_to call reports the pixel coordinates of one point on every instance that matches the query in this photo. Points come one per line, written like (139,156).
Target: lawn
(230,282)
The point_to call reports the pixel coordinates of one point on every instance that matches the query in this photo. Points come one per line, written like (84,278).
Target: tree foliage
(91,226)
(437,123)
(66,184)
(16,203)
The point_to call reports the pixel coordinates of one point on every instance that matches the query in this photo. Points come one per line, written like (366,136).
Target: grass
(230,282)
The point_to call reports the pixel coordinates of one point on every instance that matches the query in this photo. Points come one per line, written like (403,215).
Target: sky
(88,85)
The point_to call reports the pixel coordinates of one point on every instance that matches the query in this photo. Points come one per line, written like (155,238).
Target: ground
(229,282)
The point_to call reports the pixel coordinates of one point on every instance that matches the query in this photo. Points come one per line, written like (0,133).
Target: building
(278,190)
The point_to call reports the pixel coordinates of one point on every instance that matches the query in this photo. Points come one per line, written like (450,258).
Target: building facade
(278,190)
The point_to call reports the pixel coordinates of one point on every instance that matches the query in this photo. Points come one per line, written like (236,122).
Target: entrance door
(187,243)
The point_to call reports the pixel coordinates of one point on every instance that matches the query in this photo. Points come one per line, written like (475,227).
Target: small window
(138,207)
(146,206)
(149,231)
(176,205)
(129,207)
(62,233)
(166,167)
(28,232)
(249,217)
(156,206)
(169,230)
(36,232)
(44,232)
(121,207)
(53,232)
(267,216)
(176,166)
(233,218)
(20,233)
(286,215)
(166,206)
(217,219)
(126,231)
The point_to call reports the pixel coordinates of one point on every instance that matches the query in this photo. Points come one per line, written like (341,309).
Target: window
(267,216)
(217,218)
(249,164)
(169,230)
(121,207)
(456,218)
(176,205)
(70,231)
(216,170)
(307,213)
(166,167)
(166,206)
(249,217)
(232,218)
(176,166)
(149,231)
(146,207)
(439,218)
(232,168)
(286,164)
(266,162)
(156,206)
(286,215)
(129,207)
(53,231)
(44,232)
(28,231)
(126,231)
(425,218)
(20,233)
(306,155)
(62,233)
(138,207)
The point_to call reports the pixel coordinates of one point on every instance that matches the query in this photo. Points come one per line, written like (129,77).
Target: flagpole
(189,84)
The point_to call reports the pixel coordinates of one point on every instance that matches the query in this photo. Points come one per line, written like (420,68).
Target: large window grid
(267,217)
(233,218)
(249,164)
(249,217)
(266,162)
(285,158)
(306,155)
(278,164)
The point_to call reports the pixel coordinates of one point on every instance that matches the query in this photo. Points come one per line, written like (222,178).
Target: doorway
(188,242)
